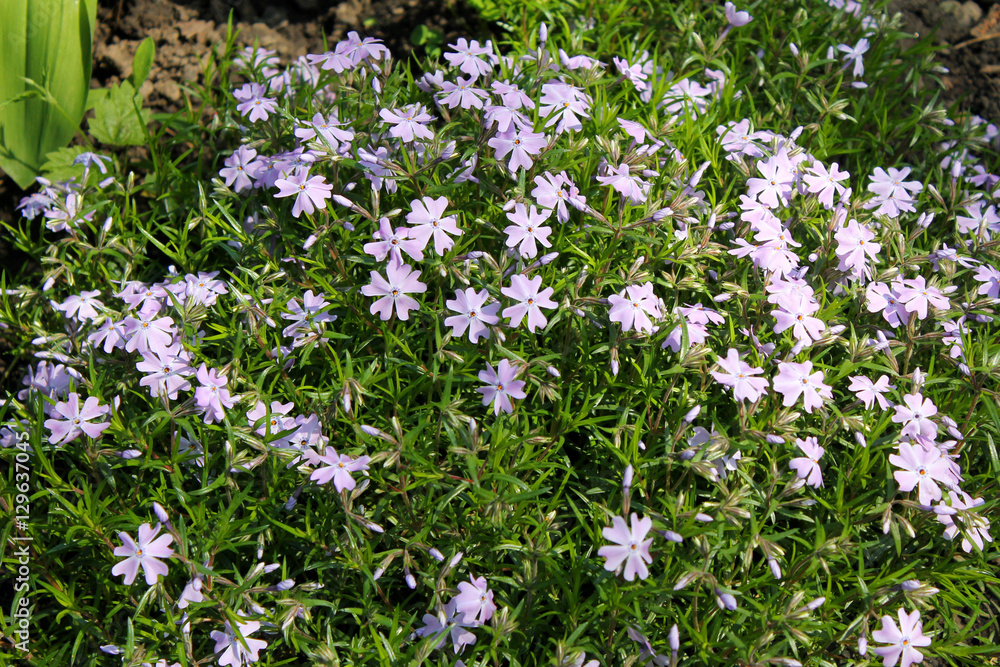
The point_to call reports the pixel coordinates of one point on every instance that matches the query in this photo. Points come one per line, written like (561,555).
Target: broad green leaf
(142,63)
(59,166)
(47,54)
(116,120)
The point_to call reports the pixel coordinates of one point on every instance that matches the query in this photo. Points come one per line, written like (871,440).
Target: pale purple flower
(148,333)
(520,144)
(775,186)
(855,246)
(914,415)
(472,313)
(527,229)
(634,306)
(167,370)
(511,96)
(213,394)
(143,553)
(825,184)
(326,128)
(554,191)
(72,419)
(426,218)
(990,277)
(923,467)
(736,18)
(975,527)
(501,386)
(408,123)
(254,103)
(739,376)
(454,623)
(475,600)
(631,187)
(82,306)
(241,167)
(981,222)
(870,392)
(807,467)
(916,295)
(795,312)
(394,243)
(530,300)
(238,652)
(48,379)
(797,379)
(310,191)
(402,280)
(191,593)
(562,103)
(471,58)
(462,93)
(338,468)
(902,640)
(631,548)
(855,55)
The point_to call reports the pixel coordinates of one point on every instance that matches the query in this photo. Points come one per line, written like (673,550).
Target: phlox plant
(658,334)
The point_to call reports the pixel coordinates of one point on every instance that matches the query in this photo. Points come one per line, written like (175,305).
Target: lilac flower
(915,416)
(737,139)
(427,222)
(854,55)
(527,229)
(893,195)
(854,247)
(167,369)
(902,641)
(213,394)
(775,188)
(402,280)
(561,103)
(475,600)
(75,420)
(501,386)
(530,300)
(981,222)
(807,467)
(520,144)
(738,375)
(990,277)
(472,313)
(463,93)
(191,593)
(870,392)
(254,103)
(143,553)
(240,168)
(916,295)
(338,468)
(235,651)
(469,57)
(922,468)
(454,623)
(633,73)
(554,191)
(204,288)
(632,187)
(885,298)
(735,18)
(632,548)
(825,184)
(48,379)
(511,96)
(277,419)
(148,333)
(394,243)
(797,379)
(327,129)
(408,123)
(974,526)
(309,191)
(795,312)
(81,306)
(633,307)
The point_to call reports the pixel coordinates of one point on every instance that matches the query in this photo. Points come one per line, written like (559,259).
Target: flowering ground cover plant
(599,347)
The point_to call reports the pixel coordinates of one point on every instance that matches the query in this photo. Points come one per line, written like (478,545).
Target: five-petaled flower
(501,386)
(76,419)
(402,281)
(902,641)
(631,547)
(143,553)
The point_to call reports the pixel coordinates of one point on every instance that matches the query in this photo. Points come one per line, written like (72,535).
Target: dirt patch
(970,34)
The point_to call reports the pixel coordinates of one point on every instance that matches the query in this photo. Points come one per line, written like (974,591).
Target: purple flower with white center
(923,467)
(501,386)
(167,370)
(561,103)
(739,376)
(915,414)
(470,57)
(310,191)
(902,641)
(737,138)
(82,306)
(632,187)
(240,168)
(795,312)
(505,119)
(633,73)
(472,313)
(213,394)
(277,417)
(463,93)
(554,191)
(408,123)
(975,527)
(402,280)
(854,55)
(338,468)
(475,600)
(254,103)
(530,300)
(191,593)
(527,229)
(916,295)
(893,194)
(394,243)
(797,379)
(630,549)
(520,144)
(634,306)
(143,553)
(825,184)
(870,392)
(807,467)
(237,652)
(427,220)
(110,336)
(307,315)
(70,419)
(855,246)
(149,333)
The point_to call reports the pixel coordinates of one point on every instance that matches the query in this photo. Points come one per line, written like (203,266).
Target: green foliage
(119,119)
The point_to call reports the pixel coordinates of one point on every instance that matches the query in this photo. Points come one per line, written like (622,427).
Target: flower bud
(627,479)
(673,638)
(775,568)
